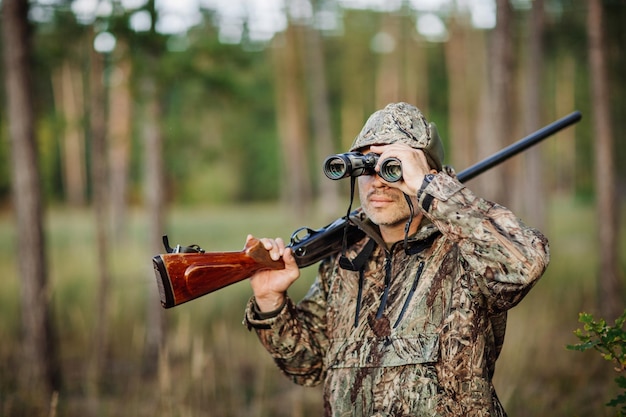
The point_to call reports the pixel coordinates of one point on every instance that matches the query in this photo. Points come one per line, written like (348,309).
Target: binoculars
(354,164)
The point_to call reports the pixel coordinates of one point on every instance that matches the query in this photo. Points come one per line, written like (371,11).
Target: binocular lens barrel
(336,167)
(354,164)
(391,170)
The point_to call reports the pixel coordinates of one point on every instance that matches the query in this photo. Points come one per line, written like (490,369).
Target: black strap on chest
(358,264)
(383,300)
(418,274)
(422,245)
(344,262)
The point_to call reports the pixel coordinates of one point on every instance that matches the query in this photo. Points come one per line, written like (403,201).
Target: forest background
(122,121)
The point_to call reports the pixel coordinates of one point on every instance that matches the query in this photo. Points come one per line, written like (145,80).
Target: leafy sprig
(610,342)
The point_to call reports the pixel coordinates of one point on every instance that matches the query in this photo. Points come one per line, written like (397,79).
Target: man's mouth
(380,200)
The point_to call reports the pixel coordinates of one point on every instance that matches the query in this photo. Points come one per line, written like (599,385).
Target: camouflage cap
(402,123)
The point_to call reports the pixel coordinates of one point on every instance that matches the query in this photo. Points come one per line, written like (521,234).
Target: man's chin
(381,219)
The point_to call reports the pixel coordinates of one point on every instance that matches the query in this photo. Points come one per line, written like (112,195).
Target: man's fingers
(288,257)
(276,247)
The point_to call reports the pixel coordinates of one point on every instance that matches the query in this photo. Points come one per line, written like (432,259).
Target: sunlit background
(209,120)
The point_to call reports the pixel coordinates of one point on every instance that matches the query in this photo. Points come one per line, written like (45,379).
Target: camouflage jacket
(431,348)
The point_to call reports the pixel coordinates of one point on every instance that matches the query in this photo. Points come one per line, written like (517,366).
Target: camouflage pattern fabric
(402,123)
(439,359)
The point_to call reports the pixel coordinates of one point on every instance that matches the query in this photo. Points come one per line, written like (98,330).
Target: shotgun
(184,273)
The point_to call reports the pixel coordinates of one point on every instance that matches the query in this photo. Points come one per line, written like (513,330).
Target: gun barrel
(519,146)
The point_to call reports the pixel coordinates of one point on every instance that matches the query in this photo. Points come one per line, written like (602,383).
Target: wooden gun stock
(181,277)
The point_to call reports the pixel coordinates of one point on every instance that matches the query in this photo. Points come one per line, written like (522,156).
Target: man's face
(384,205)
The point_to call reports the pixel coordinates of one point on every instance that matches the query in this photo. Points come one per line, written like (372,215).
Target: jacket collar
(426,231)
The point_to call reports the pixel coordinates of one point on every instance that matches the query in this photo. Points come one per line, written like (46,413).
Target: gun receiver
(186,273)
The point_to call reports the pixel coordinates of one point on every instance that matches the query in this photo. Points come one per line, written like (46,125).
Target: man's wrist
(270,303)
(255,319)
(428,199)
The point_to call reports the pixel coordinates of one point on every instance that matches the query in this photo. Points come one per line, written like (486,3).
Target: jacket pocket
(383,352)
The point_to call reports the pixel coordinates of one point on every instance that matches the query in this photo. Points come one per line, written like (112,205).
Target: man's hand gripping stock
(270,286)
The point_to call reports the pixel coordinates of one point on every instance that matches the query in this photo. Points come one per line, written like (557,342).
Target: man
(414,325)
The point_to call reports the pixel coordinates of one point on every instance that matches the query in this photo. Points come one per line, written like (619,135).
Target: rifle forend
(186,273)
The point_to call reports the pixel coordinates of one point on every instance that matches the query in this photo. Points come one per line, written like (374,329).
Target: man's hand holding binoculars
(414,166)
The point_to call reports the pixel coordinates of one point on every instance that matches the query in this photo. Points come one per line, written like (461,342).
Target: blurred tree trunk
(99,180)
(120,126)
(353,114)
(461,152)
(68,95)
(402,65)
(155,201)
(156,356)
(563,151)
(465,65)
(610,280)
(315,65)
(415,86)
(389,60)
(497,185)
(356,104)
(292,120)
(38,374)
(534,186)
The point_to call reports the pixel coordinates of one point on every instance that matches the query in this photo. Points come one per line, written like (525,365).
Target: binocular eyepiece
(354,164)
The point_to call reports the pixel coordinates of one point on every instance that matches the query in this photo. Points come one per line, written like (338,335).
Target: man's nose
(377,181)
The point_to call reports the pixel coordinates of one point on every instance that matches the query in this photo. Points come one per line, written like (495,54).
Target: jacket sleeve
(499,251)
(295,336)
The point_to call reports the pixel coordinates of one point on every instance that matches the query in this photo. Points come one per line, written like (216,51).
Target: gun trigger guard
(295,238)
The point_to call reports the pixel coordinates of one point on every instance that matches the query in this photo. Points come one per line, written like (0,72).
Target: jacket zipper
(420,268)
(385,296)
(383,300)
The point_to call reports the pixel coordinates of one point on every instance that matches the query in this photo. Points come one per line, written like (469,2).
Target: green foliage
(610,342)
(219,104)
